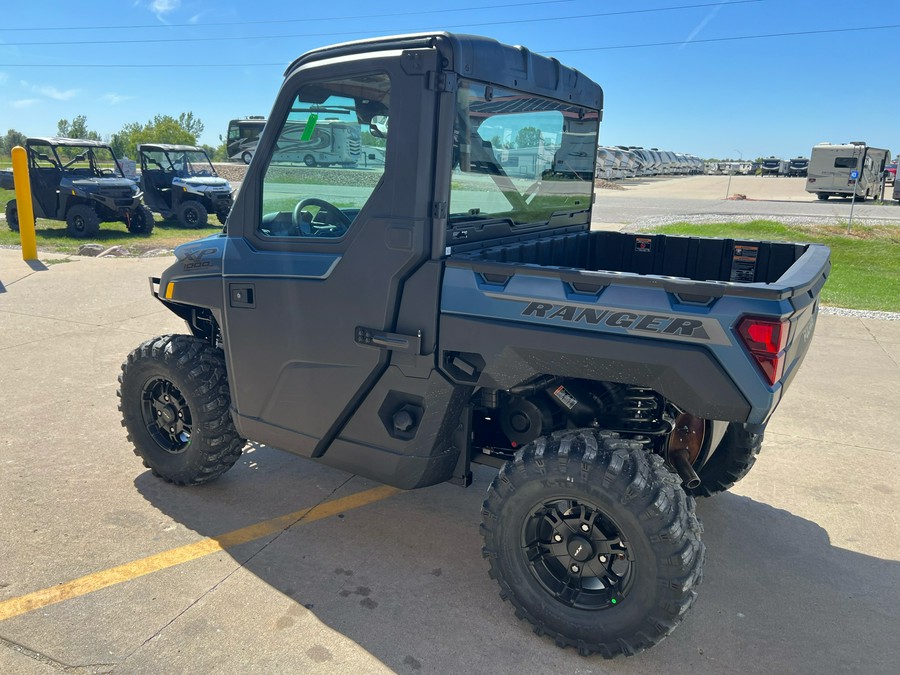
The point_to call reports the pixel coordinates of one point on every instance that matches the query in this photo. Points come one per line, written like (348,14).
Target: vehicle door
(317,257)
(45,175)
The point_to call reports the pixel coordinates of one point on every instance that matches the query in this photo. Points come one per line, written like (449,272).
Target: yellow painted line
(182,554)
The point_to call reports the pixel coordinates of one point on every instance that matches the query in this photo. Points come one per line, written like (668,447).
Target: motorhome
(845,170)
(243,136)
(325,142)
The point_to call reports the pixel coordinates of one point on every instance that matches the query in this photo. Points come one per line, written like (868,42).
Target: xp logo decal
(194,259)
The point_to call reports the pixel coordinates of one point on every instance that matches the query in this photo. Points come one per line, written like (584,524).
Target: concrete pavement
(803,573)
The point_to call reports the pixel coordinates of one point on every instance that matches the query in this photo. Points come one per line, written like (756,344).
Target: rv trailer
(798,167)
(773,166)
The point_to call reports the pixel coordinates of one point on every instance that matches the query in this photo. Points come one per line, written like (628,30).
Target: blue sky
(695,94)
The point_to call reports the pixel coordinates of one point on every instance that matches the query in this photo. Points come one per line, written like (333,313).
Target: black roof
(483,59)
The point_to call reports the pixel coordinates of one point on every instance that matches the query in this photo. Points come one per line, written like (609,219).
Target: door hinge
(439,210)
(442,81)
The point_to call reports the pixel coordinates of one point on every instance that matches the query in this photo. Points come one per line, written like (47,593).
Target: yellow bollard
(23,203)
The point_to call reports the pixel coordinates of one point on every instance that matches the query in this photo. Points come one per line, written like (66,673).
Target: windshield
(183,163)
(88,161)
(520,158)
(190,163)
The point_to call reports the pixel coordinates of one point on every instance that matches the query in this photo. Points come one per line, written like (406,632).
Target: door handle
(242,295)
(410,344)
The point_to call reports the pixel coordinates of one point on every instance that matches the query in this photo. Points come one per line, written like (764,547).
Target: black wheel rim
(190,216)
(78,223)
(166,415)
(578,554)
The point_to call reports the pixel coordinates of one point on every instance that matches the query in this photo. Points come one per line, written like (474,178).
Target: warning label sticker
(743,263)
(643,244)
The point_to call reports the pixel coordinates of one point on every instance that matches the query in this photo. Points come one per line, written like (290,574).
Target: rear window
(845,162)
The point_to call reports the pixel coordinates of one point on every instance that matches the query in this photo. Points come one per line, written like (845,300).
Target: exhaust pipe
(680,460)
(684,446)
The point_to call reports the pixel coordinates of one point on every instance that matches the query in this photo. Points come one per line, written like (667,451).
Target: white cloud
(163,7)
(24,102)
(54,93)
(115,99)
(50,91)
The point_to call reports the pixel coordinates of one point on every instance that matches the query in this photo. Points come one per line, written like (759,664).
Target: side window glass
(328,158)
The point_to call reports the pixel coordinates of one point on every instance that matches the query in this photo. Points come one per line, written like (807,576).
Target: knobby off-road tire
(593,541)
(141,221)
(82,222)
(732,460)
(12,215)
(174,400)
(192,213)
(222,215)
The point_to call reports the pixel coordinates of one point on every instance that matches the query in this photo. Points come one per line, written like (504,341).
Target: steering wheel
(329,220)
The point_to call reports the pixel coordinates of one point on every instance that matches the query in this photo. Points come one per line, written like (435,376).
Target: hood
(203,181)
(98,184)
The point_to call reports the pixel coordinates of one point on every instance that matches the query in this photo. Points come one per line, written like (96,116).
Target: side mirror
(378,126)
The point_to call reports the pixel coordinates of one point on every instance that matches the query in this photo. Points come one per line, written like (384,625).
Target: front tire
(175,405)
(246,158)
(309,160)
(82,222)
(593,541)
(141,221)
(192,214)
(12,215)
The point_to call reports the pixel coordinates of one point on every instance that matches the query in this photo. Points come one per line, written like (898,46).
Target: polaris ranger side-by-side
(179,180)
(439,311)
(80,182)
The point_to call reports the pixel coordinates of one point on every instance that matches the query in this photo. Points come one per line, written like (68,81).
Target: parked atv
(180,181)
(80,182)
(445,313)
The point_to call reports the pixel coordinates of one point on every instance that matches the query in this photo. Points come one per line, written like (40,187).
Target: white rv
(832,166)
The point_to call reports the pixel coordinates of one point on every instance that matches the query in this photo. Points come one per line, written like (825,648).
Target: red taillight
(765,339)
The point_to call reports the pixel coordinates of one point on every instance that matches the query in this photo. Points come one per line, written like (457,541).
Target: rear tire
(141,221)
(593,541)
(82,222)
(309,160)
(822,196)
(175,405)
(12,215)
(222,216)
(193,214)
(246,157)
(734,457)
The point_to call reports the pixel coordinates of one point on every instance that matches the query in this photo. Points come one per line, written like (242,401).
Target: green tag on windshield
(310,126)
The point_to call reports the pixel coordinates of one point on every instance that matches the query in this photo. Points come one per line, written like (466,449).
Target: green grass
(865,271)
(51,234)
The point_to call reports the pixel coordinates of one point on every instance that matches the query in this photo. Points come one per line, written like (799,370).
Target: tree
(528,137)
(161,129)
(366,138)
(190,124)
(11,140)
(77,129)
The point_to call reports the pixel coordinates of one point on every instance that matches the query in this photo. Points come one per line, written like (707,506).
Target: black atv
(80,182)
(180,181)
